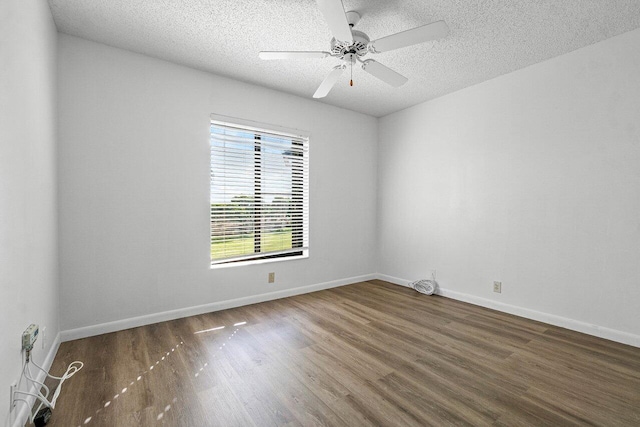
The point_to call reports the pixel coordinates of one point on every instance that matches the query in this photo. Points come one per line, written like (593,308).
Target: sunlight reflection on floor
(168,407)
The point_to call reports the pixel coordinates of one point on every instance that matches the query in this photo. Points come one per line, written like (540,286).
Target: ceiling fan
(351,46)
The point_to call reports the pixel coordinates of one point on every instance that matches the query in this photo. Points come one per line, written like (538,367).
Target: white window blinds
(259,193)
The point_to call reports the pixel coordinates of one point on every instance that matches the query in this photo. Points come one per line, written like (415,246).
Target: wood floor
(365,354)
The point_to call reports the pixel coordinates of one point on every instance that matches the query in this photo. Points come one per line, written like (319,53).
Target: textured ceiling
(488,38)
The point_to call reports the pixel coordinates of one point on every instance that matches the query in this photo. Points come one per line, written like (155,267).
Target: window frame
(297,190)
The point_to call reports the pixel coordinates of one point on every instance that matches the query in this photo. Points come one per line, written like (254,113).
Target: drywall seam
(133,322)
(552,319)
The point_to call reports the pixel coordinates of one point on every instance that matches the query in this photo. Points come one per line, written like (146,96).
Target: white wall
(134,186)
(533,179)
(28,212)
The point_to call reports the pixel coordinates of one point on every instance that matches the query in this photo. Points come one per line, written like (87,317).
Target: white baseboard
(134,322)
(394,280)
(22,416)
(564,322)
(552,319)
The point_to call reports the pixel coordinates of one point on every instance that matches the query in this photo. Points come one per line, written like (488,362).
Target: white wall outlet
(29,336)
(12,402)
(272,277)
(497,287)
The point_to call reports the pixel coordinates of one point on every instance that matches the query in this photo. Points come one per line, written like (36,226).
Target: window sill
(304,255)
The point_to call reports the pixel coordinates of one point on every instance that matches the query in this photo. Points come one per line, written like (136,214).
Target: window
(259,193)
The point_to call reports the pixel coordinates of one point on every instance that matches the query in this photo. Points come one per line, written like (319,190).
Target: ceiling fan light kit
(350,46)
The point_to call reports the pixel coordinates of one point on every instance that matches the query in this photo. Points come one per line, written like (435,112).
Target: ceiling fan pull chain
(351,81)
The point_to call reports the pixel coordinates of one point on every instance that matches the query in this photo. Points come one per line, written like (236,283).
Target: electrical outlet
(497,287)
(29,336)
(272,277)
(44,337)
(13,388)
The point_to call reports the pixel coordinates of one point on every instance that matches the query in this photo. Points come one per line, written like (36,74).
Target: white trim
(22,416)
(394,280)
(226,264)
(552,319)
(133,322)
(259,126)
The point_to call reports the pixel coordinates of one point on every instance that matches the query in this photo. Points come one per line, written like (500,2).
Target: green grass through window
(271,241)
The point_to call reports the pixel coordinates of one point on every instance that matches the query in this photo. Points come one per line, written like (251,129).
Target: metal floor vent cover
(424,286)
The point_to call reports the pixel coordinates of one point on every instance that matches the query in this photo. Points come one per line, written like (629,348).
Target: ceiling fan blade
(292,55)
(433,31)
(329,81)
(384,73)
(333,12)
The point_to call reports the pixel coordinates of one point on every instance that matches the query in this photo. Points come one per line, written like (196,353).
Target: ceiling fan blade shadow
(329,81)
(425,33)
(384,73)
(333,12)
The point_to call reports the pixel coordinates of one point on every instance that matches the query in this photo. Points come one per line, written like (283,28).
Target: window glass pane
(258,201)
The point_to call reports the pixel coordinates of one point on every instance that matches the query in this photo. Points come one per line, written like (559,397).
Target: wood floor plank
(367,354)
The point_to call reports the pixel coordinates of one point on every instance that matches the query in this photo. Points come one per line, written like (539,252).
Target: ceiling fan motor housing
(359,46)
